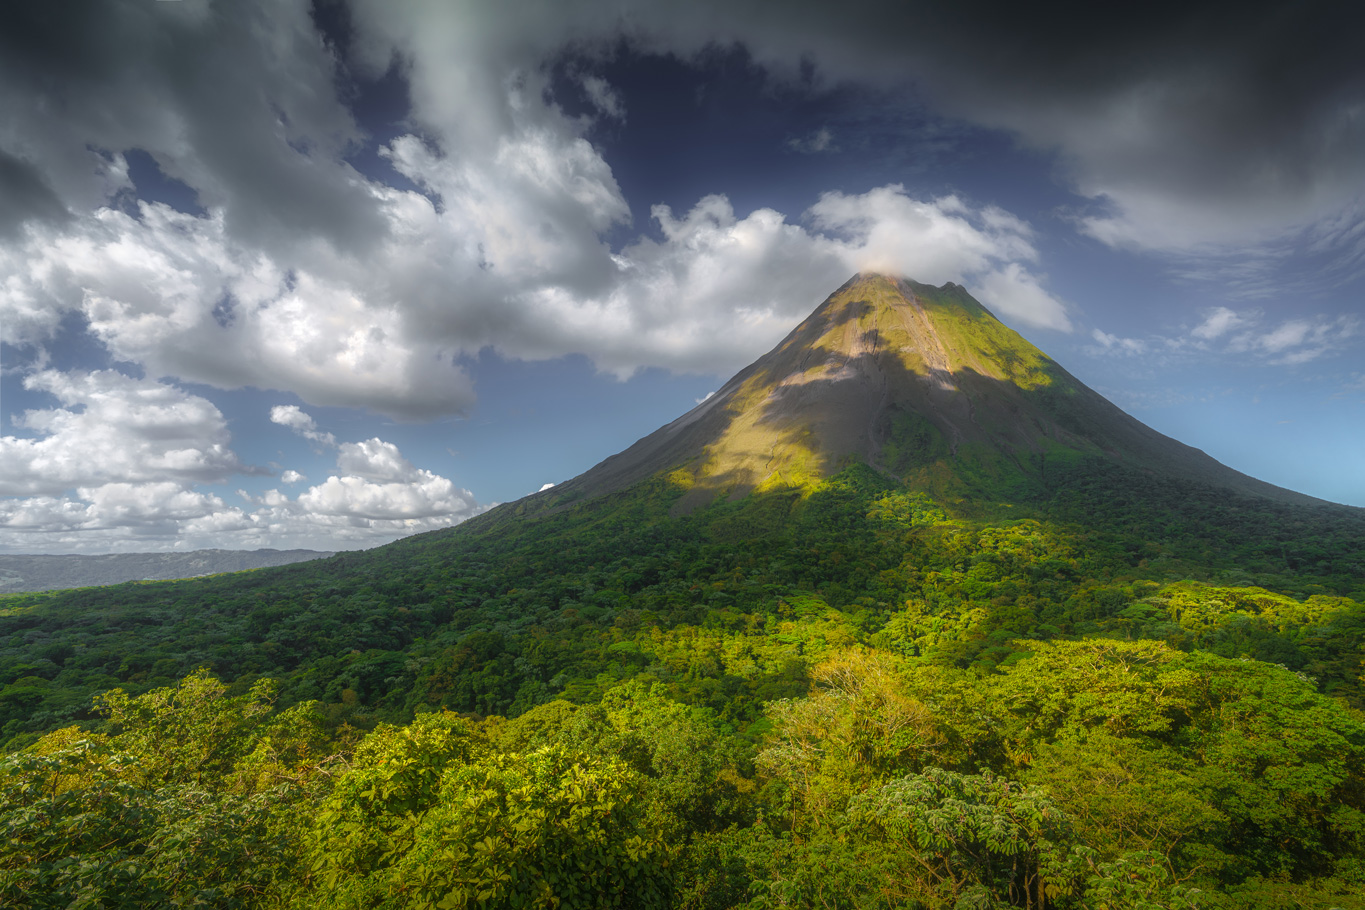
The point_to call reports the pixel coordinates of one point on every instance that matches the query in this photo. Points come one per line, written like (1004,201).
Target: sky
(286,274)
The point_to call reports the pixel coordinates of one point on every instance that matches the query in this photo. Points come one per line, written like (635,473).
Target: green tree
(159,813)
(541,829)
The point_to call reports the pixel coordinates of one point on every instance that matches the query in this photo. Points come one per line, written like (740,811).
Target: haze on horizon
(287,274)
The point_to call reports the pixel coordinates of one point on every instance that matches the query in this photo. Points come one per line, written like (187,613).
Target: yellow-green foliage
(193,799)
(681,480)
(1085,774)
(906,509)
(854,695)
(1203,608)
(538,829)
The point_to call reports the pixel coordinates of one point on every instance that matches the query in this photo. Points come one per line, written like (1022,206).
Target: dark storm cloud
(1196,121)
(235,100)
(1255,109)
(1183,123)
(24,196)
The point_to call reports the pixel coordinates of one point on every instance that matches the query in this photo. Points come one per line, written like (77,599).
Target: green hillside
(1014,652)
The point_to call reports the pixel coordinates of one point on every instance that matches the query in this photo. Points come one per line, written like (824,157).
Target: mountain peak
(922,383)
(935,332)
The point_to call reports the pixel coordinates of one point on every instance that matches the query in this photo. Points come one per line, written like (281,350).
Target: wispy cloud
(1113,344)
(1218,322)
(1225,332)
(1296,341)
(822,140)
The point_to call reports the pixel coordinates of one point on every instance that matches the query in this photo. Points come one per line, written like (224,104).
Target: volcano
(923,384)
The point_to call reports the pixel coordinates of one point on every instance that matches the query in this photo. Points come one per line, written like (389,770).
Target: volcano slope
(902,377)
(903,616)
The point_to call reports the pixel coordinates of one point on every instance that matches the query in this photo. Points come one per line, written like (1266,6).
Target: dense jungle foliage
(1128,692)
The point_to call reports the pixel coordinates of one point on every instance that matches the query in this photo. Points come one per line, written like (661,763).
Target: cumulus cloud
(117,467)
(139,511)
(114,429)
(412,503)
(375,487)
(176,294)
(170,291)
(376,497)
(987,249)
(116,460)
(237,100)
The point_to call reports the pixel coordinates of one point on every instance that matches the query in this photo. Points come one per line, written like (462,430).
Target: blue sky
(277,273)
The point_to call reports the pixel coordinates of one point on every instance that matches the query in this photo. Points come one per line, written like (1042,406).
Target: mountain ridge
(27,573)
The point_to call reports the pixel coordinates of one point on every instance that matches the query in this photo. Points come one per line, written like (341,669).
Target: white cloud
(1185,127)
(125,504)
(308,277)
(1296,341)
(237,100)
(376,496)
(1217,323)
(375,459)
(426,496)
(116,469)
(1291,334)
(1226,332)
(1018,294)
(173,293)
(375,489)
(114,465)
(136,516)
(343,512)
(1113,344)
(293,417)
(943,240)
(111,428)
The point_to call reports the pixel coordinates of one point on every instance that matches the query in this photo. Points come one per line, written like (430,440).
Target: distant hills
(19,573)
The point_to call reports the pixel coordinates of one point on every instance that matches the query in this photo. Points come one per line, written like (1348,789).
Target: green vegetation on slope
(1114,690)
